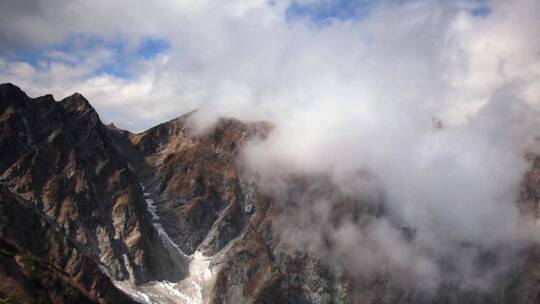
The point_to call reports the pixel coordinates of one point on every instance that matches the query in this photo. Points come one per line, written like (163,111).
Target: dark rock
(60,157)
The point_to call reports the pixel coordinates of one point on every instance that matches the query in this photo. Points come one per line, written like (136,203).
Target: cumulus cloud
(352,98)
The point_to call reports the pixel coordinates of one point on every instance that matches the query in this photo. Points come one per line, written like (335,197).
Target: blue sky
(80,45)
(331,10)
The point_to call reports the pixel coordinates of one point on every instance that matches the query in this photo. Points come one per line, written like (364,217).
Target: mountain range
(90,213)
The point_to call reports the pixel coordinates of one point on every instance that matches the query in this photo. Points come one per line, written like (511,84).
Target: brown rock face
(60,158)
(197,181)
(39,264)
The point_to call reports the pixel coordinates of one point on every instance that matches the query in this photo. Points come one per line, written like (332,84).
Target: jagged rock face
(39,264)
(60,157)
(197,181)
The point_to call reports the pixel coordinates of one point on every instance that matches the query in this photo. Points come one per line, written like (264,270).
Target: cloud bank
(352,95)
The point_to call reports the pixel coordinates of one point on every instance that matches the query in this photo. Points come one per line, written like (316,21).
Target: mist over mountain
(290,151)
(171,215)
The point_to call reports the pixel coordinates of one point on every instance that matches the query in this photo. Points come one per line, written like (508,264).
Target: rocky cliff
(169,216)
(40,264)
(59,158)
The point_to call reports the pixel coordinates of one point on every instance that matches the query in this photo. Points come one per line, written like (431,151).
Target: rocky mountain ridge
(60,158)
(166,216)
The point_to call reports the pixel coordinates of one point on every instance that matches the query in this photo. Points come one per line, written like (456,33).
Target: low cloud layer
(435,101)
(439,109)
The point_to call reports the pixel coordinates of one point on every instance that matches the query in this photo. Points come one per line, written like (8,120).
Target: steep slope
(199,197)
(197,180)
(60,158)
(39,264)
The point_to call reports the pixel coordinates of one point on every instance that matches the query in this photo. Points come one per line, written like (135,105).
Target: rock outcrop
(40,264)
(59,158)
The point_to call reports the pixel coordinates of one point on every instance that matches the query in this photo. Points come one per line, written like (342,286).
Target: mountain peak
(76,98)
(9,92)
(8,86)
(77,102)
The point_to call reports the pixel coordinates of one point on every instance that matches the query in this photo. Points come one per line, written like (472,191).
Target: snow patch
(188,291)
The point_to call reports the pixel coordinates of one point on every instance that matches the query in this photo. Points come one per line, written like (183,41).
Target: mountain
(59,158)
(94,214)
